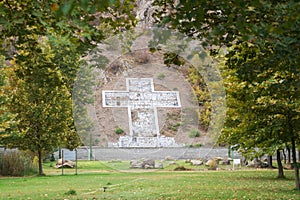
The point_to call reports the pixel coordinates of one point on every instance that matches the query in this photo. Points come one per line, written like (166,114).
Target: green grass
(122,183)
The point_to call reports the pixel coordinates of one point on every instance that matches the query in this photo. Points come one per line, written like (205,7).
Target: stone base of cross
(145,142)
(142,102)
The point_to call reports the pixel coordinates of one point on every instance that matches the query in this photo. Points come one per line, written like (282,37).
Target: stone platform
(145,142)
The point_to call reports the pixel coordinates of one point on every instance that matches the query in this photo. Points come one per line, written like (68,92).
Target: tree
(262,38)
(8,122)
(44,41)
(258,111)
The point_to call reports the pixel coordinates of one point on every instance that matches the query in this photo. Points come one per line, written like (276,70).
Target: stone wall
(150,153)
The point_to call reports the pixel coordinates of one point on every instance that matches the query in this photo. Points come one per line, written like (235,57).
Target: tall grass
(16,163)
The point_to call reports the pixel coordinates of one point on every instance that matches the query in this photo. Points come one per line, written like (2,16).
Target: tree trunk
(270,163)
(279,163)
(298,155)
(284,156)
(59,153)
(295,164)
(41,173)
(289,154)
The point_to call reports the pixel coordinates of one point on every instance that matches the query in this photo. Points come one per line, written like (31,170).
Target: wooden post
(76,162)
(62,162)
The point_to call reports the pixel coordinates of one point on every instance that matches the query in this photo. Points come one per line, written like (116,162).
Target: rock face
(65,164)
(143,164)
(144,12)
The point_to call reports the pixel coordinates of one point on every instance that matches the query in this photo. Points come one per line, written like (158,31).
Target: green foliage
(173,58)
(194,133)
(8,121)
(119,130)
(223,23)
(96,142)
(202,96)
(15,163)
(181,168)
(262,103)
(43,42)
(261,67)
(160,76)
(71,192)
(174,127)
(82,96)
(195,145)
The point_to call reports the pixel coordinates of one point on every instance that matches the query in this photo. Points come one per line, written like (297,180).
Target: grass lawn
(122,183)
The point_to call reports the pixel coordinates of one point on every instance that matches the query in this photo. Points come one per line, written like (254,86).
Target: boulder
(65,164)
(59,162)
(226,161)
(149,164)
(212,164)
(142,164)
(196,162)
(160,165)
(172,163)
(218,159)
(136,164)
(288,166)
(256,163)
(69,164)
(169,158)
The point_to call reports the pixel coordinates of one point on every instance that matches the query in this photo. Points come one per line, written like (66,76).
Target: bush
(71,192)
(181,168)
(16,163)
(195,145)
(194,133)
(141,57)
(119,130)
(160,76)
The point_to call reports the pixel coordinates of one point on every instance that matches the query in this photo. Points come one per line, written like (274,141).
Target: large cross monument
(142,102)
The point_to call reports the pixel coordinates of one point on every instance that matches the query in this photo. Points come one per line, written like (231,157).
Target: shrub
(195,145)
(194,133)
(119,130)
(96,142)
(141,57)
(71,192)
(160,76)
(181,168)
(52,158)
(16,163)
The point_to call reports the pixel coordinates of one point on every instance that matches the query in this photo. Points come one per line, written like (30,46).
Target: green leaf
(67,7)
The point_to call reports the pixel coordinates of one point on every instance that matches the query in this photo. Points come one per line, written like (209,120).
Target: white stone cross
(142,102)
